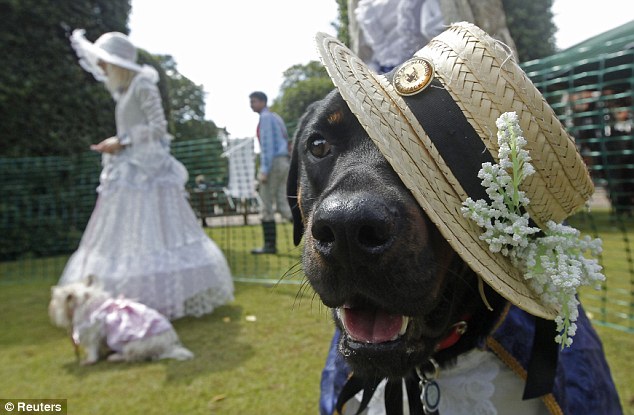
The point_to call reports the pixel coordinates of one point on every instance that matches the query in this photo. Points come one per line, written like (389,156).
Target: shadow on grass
(208,337)
(23,308)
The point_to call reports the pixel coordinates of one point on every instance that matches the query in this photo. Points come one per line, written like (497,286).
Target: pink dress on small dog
(126,321)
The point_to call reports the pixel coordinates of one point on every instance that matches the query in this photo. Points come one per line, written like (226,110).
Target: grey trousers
(273,192)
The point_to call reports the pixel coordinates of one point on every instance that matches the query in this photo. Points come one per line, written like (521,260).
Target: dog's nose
(353,227)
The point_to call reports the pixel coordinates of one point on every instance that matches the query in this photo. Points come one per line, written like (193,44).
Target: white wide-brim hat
(111,47)
(434,120)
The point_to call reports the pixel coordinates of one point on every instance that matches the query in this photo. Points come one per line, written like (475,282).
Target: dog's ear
(292,190)
(292,183)
(91,280)
(71,301)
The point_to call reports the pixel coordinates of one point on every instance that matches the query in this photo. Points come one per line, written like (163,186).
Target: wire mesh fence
(47,202)
(590,88)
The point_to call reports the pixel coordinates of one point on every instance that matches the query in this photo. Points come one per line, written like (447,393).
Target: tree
(49,105)
(186,104)
(525,26)
(532,28)
(343,23)
(302,85)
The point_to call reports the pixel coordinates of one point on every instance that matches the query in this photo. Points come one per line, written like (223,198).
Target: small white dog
(100,324)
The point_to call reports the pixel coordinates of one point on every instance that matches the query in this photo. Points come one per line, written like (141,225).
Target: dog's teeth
(340,315)
(404,326)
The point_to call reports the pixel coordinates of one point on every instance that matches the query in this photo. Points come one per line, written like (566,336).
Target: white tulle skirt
(144,242)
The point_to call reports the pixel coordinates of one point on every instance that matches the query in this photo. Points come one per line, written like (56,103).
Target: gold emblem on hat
(413,76)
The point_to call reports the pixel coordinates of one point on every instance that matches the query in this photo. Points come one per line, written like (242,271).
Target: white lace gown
(143,240)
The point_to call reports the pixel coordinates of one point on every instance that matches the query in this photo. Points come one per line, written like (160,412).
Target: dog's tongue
(371,325)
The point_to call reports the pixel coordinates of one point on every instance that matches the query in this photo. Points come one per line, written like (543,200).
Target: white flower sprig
(553,262)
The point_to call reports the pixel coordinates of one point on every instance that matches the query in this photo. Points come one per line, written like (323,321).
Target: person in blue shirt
(274,165)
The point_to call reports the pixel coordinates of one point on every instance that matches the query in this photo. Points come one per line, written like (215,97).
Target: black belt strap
(394,397)
(457,142)
(413,394)
(542,366)
(353,385)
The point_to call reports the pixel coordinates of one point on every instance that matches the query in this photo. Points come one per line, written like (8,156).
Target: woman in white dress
(143,240)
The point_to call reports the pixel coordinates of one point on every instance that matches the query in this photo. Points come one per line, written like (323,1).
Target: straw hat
(433,118)
(111,47)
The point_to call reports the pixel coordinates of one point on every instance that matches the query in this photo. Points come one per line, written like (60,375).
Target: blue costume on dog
(583,383)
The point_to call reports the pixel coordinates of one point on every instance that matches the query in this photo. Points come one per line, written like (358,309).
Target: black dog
(371,253)
(403,299)
(379,173)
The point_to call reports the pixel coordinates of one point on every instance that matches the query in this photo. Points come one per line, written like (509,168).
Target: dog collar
(457,330)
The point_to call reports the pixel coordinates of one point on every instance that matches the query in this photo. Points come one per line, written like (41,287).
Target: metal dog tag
(429,396)
(429,389)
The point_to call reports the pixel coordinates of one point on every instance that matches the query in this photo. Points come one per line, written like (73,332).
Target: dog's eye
(319,147)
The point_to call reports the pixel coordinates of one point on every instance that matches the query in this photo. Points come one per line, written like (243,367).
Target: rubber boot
(270,237)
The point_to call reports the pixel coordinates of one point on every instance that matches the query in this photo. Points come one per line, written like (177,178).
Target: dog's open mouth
(371,325)
(387,342)
(375,341)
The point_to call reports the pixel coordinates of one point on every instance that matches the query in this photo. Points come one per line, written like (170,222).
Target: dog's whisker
(303,287)
(319,303)
(293,271)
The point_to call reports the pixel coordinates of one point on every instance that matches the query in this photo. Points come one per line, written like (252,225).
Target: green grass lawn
(268,366)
